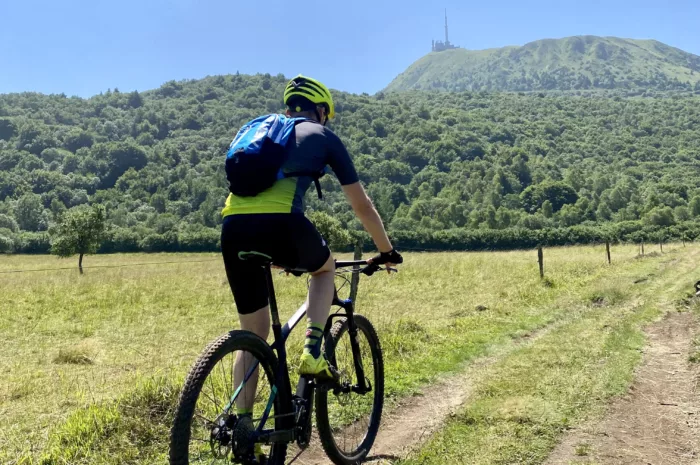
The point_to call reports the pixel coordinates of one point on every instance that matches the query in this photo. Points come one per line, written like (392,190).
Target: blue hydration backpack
(256,155)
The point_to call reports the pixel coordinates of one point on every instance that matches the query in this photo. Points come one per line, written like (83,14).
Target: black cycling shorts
(289,238)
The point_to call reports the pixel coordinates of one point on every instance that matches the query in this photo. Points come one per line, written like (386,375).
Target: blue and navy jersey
(311,148)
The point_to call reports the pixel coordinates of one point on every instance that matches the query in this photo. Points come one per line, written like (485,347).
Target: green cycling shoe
(319,368)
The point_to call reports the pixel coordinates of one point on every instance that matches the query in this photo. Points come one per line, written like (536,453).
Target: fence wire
(123,265)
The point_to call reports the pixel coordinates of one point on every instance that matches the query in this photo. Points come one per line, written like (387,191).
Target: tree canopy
(431,161)
(78,231)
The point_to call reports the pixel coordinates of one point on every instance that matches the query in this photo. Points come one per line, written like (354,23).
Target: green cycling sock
(312,344)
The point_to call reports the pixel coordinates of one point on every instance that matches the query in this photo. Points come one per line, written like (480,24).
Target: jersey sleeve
(339,160)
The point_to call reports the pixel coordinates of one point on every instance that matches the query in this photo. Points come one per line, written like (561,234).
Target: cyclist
(273,223)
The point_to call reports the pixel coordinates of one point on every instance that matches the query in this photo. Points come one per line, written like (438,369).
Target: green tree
(535,221)
(158,201)
(57,208)
(331,229)
(522,170)
(7,222)
(547,209)
(557,192)
(135,100)
(681,214)
(604,213)
(77,139)
(6,244)
(616,200)
(491,222)
(504,217)
(660,216)
(694,206)
(79,231)
(7,129)
(570,215)
(119,158)
(28,212)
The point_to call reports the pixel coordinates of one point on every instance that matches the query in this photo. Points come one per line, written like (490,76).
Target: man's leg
(320,297)
(257,322)
(321,290)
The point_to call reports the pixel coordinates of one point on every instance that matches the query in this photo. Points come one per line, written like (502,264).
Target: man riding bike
(273,223)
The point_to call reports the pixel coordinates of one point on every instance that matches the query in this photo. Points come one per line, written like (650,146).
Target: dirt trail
(658,421)
(416,418)
(405,427)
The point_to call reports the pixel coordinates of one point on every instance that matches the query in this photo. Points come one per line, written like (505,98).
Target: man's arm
(367,214)
(342,165)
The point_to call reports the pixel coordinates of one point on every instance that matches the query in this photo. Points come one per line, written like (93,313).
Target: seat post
(283,373)
(271,297)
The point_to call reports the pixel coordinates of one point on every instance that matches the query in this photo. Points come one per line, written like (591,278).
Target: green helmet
(312,90)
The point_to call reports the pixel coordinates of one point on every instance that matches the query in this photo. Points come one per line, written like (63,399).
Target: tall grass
(75,346)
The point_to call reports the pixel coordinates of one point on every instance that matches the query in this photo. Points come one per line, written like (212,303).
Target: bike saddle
(255,257)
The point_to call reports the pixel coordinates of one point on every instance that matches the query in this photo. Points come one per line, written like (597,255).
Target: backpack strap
(312,175)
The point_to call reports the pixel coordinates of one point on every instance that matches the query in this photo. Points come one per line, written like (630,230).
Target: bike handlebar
(369,268)
(347,263)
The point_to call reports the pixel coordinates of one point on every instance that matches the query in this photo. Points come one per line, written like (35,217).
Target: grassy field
(527,400)
(91,364)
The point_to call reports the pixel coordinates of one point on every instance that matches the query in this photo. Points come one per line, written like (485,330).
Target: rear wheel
(206,429)
(347,421)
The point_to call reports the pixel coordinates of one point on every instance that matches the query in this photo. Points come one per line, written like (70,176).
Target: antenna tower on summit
(447,39)
(438,45)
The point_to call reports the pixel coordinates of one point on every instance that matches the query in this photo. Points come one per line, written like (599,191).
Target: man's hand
(389,259)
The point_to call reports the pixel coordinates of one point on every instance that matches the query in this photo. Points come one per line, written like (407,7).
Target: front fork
(362,386)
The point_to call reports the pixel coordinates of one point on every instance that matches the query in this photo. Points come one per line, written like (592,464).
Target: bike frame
(306,384)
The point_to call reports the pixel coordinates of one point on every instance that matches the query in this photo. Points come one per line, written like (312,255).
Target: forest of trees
(445,170)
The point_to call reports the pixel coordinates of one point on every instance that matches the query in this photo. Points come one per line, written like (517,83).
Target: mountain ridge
(570,63)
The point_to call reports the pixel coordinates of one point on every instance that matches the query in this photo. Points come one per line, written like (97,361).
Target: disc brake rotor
(221,437)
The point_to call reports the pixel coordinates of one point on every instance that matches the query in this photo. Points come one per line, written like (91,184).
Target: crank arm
(286,436)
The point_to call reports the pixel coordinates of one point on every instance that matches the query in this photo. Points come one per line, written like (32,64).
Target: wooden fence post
(540,260)
(661,246)
(642,248)
(607,250)
(355,279)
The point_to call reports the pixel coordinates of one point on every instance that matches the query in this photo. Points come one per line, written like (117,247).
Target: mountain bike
(348,411)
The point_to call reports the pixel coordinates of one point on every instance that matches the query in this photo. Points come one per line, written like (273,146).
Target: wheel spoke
(213,391)
(209,397)
(204,418)
(227,390)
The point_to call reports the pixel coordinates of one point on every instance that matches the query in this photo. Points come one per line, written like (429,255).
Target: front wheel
(348,421)
(207,429)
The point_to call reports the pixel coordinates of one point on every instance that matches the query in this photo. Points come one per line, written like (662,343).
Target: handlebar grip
(370,269)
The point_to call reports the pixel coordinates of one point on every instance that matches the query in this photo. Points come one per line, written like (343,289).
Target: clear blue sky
(83,47)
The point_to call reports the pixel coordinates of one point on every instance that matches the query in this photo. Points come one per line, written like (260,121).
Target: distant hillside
(581,62)
(484,165)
